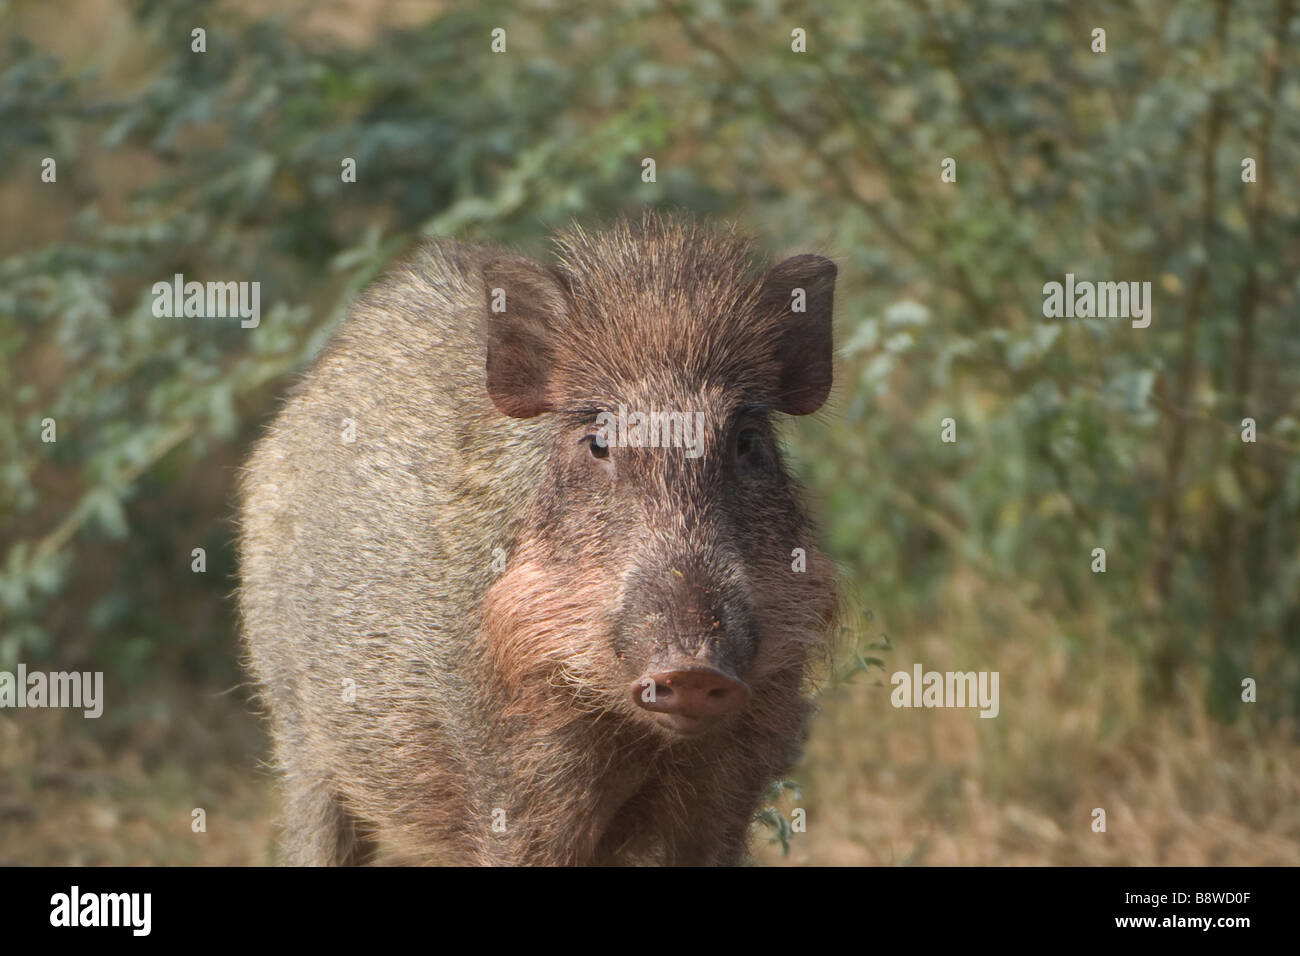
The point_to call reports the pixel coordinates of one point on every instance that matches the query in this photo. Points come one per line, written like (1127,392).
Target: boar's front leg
(557,792)
(715,837)
(318,831)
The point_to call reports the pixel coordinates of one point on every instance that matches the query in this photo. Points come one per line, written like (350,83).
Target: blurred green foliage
(1072,434)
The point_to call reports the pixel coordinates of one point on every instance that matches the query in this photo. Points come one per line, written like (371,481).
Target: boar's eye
(597,448)
(748,443)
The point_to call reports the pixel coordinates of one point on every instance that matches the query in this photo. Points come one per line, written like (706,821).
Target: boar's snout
(689,697)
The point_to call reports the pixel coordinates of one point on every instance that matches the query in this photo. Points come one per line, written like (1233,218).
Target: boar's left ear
(797,295)
(525,302)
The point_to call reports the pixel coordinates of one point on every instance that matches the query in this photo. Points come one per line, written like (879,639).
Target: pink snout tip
(690,696)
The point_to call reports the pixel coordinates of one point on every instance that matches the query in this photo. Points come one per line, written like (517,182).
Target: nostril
(691,692)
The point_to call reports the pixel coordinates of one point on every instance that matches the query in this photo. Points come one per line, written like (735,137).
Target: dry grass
(886,786)
(881,786)
(68,799)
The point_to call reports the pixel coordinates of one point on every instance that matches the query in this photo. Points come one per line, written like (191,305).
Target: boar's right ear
(797,293)
(524,304)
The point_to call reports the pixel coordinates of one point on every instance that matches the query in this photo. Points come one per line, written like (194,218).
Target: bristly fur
(430,705)
(685,289)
